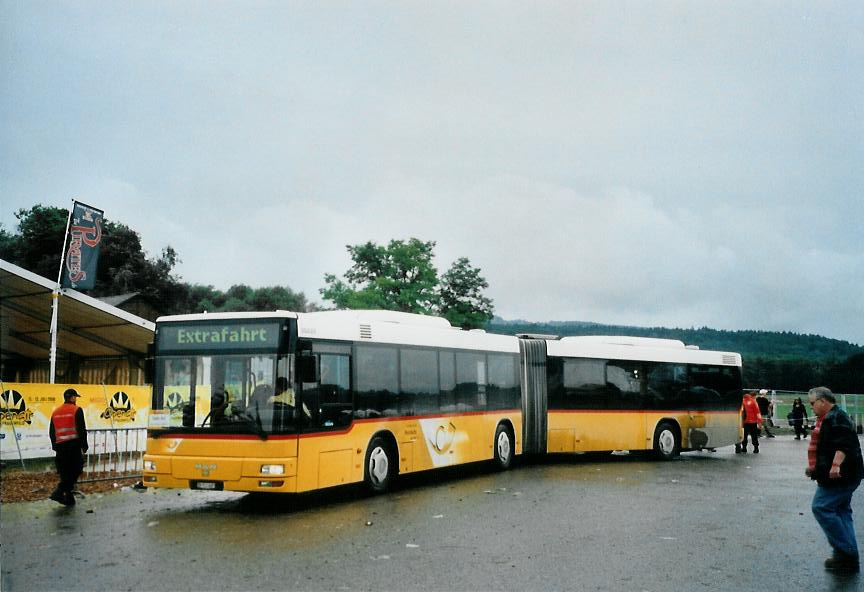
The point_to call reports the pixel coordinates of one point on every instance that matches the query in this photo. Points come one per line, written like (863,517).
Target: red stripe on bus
(415,417)
(643,411)
(228,436)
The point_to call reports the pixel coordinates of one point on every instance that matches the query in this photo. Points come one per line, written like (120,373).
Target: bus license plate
(207,485)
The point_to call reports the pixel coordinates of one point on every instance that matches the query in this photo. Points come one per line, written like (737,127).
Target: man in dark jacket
(68,434)
(834,462)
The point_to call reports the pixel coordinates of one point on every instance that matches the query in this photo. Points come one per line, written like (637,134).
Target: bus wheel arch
(381,462)
(503,445)
(667,439)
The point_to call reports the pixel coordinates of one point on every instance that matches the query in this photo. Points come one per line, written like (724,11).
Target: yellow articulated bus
(294,402)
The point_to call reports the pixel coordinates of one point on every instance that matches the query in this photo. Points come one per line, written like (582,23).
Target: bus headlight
(150,466)
(272,469)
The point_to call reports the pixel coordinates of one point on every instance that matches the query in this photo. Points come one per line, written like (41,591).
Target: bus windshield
(251,393)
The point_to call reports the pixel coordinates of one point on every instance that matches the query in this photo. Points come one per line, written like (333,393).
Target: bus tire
(503,447)
(380,467)
(667,442)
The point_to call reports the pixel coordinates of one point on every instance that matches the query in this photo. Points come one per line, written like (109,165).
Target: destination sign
(218,336)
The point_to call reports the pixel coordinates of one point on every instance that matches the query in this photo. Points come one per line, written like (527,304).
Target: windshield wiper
(255,423)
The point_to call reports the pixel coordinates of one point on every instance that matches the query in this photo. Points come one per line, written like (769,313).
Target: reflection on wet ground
(605,522)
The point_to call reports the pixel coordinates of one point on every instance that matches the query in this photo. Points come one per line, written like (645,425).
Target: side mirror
(307,369)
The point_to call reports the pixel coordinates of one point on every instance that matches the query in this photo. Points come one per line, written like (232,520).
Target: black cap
(69,393)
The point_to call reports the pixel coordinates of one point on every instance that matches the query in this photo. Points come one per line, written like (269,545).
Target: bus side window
(377,381)
(447,381)
(470,381)
(418,380)
(666,385)
(502,392)
(623,385)
(334,391)
(585,384)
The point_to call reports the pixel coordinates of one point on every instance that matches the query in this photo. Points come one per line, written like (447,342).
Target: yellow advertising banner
(26,408)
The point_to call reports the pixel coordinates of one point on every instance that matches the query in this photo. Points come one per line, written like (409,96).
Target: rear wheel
(380,468)
(503,447)
(667,442)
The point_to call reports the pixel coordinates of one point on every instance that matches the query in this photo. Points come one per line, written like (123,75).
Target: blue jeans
(832,507)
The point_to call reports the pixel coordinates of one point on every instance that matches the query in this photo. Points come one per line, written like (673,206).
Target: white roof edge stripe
(627,340)
(216,316)
(27,275)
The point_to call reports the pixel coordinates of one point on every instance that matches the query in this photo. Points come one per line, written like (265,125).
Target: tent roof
(85,326)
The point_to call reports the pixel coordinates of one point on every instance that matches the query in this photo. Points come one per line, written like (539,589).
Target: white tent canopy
(86,327)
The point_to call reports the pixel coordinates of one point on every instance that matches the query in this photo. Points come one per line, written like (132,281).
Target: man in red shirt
(68,434)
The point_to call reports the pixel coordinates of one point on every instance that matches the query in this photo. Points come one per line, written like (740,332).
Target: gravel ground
(19,485)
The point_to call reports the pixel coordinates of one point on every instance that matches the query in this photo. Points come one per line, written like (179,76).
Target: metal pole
(55,298)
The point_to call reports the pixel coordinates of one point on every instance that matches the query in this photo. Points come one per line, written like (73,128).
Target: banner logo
(175,401)
(119,408)
(13,409)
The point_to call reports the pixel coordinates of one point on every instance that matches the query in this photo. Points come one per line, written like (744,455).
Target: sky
(649,163)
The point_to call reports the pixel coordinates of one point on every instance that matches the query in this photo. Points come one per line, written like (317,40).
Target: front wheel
(380,468)
(503,446)
(667,442)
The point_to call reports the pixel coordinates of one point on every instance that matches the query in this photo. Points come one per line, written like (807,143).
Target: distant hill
(750,344)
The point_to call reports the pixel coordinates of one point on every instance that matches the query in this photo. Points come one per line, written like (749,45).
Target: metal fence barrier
(782,401)
(115,453)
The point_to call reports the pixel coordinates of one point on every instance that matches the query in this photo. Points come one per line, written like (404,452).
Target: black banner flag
(82,250)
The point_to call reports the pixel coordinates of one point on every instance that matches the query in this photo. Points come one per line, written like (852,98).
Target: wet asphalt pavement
(706,521)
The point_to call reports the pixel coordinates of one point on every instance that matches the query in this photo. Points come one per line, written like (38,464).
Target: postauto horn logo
(119,408)
(175,401)
(13,409)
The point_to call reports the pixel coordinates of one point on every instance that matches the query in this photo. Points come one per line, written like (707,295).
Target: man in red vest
(68,434)
(752,419)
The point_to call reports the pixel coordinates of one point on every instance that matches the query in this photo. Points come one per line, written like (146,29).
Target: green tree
(241,297)
(124,267)
(7,244)
(400,276)
(461,299)
(37,245)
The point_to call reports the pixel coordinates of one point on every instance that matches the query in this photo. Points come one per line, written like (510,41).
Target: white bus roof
(638,348)
(402,328)
(373,326)
(381,326)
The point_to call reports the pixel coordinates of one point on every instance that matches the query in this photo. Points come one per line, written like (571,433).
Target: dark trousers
(70,464)
(800,430)
(752,430)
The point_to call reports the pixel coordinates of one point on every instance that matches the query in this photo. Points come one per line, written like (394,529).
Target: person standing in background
(68,433)
(798,418)
(766,409)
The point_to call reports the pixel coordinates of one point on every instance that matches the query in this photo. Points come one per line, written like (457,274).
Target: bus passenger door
(326,407)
